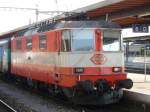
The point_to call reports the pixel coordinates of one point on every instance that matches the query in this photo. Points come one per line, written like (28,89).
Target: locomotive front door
(57,56)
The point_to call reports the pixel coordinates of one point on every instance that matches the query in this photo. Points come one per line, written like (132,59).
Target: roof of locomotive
(86,24)
(47,26)
(77,24)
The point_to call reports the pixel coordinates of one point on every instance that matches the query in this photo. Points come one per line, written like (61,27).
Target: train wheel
(51,89)
(67,92)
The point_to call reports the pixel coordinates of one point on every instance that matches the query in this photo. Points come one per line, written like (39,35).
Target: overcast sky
(10,19)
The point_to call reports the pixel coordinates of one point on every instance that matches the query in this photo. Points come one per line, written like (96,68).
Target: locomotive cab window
(82,40)
(111,40)
(42,41)
(66,41)
(29,43)
(18,43)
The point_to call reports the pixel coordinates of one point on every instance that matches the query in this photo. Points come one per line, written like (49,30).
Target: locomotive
(81,59)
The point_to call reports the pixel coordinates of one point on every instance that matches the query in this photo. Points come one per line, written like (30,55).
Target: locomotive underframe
(100,93)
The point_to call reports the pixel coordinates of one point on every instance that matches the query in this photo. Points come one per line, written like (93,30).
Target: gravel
(25,101)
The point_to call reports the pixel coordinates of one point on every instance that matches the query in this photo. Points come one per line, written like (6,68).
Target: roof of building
(124,12)
(97,5)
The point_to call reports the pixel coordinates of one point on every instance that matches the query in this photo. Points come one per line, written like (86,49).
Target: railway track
(58,104)
(4,107)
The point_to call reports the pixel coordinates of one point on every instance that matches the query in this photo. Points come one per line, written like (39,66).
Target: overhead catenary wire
(56,2)
(37,11)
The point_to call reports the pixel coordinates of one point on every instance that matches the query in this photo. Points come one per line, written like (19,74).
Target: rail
(6,105)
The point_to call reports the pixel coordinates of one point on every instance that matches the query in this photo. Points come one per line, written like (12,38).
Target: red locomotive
(82,59)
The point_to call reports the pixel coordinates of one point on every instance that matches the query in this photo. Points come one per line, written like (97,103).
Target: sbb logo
(98,59)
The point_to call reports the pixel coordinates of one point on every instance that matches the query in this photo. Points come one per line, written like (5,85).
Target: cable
(57,5)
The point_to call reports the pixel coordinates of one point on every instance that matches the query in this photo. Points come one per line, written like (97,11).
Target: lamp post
(145,65)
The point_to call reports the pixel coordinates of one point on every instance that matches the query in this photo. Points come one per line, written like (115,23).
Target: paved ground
(140,84)
(138,77)
(141,89)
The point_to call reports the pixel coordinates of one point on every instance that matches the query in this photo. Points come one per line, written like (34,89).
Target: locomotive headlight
(78,70)
(116,69)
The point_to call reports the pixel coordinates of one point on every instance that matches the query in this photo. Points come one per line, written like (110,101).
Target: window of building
(42,41)
(29,43)
(66,41)
(18,44)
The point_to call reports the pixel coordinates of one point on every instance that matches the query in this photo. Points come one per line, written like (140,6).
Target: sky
(11,19)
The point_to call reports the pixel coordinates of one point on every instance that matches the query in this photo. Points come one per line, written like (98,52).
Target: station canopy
(124,12)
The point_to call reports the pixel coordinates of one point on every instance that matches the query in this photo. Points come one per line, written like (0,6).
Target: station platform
(141,88)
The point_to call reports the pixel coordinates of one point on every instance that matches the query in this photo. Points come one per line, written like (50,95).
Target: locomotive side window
(66,41)
(42,41)
(29,43)
(82,40)
(31,31)
(111,40)
(18,43)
